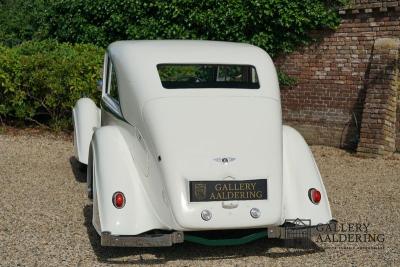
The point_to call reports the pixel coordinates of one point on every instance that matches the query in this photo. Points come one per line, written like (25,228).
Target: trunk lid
(195,136)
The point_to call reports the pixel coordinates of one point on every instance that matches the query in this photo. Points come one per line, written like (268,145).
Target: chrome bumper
(283,232)
(168,239)
(146,240)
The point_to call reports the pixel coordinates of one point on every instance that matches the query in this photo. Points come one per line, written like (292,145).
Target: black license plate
(228,190)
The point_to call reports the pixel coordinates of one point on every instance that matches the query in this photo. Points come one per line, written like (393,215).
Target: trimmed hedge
(41,81)
(275,25)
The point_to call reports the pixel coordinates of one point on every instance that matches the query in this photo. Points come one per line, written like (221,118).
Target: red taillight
(314,195)
(118,200)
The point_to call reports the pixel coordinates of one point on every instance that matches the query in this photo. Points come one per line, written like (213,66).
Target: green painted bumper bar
(226,242)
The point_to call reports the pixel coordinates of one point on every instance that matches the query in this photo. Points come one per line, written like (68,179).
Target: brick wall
(326,104)
(370,4)
(398,117)
(397,138)
(378,131)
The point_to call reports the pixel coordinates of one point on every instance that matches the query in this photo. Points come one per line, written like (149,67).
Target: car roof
(162,51)
(136,66)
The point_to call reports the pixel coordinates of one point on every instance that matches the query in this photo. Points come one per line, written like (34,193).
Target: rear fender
(86,117)
(300,173)
(115,170)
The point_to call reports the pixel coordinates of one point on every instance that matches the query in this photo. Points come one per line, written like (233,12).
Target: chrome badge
(200,191)
(224,160)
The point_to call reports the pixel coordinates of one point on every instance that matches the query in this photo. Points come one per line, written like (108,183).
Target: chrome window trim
(112,106)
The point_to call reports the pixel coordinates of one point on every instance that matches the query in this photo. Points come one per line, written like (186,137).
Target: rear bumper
(295,231)
(169,239)
(146,240)
(290,232)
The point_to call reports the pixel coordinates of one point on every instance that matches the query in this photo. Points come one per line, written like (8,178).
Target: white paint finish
(189,133)
(86,117)
(300,173)
(136,66)
(115,171)
(188,129)
(144,163)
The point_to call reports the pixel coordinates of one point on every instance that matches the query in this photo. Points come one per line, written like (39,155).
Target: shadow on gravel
(78,169)
(272,248)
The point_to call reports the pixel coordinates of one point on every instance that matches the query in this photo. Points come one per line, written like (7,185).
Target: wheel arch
(114,170)
(86,117)
(300,173)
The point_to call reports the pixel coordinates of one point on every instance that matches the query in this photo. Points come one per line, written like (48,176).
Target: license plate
(228,190)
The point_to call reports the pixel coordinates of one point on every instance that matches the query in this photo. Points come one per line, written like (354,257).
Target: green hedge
(274,25)
(22,20)
(41,81)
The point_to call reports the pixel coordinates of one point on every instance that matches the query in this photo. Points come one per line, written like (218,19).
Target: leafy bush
(22,20)
(275,25)
(41,81)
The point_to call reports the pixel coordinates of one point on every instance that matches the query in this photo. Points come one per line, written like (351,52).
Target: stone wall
(326,104)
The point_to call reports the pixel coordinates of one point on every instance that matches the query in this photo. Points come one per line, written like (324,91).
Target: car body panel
(152,141)
(300,173)
(136,63)
(188,145)
(86,117)
(115,170)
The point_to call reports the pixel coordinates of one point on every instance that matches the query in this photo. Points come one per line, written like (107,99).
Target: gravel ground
(44,214)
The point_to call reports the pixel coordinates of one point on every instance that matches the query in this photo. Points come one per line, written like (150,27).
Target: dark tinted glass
(181,76)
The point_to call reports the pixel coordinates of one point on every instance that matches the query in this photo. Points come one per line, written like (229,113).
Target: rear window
(182,76)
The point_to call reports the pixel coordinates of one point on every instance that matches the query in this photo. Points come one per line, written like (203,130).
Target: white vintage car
(189,139)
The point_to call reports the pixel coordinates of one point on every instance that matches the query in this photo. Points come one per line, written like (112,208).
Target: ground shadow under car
(189,251)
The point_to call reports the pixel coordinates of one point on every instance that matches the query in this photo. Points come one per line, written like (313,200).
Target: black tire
(90,194)
(82,167)
(89,175)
